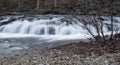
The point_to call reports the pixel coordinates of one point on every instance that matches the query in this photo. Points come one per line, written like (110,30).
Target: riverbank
(70,54)
(61,7)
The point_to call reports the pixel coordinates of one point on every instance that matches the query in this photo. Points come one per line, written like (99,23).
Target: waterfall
(52,26)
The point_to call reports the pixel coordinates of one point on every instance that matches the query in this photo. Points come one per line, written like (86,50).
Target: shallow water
(45,31)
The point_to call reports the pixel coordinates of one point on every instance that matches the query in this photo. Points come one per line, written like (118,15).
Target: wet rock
(1,18)
(30,19)
(7,22)
(40,64)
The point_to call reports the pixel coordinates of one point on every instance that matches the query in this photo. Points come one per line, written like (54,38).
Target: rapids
(46,31)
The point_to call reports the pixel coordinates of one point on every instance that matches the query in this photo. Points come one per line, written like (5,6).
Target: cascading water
(23,33)
(53,26)
(46,32)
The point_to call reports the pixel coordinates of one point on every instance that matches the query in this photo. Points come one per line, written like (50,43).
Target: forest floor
(81,53)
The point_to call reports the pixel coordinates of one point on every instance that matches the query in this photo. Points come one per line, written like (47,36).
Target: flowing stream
(45,31)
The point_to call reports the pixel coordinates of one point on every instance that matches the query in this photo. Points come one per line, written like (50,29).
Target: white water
(39,31)
(40,27)
(57,26)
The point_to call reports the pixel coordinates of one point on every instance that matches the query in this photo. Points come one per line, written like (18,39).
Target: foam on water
(55,26)
(22,34)
(40,27)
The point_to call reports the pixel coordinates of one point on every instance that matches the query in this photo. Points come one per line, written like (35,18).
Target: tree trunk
(37,4)
(55,3)
(111,17)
